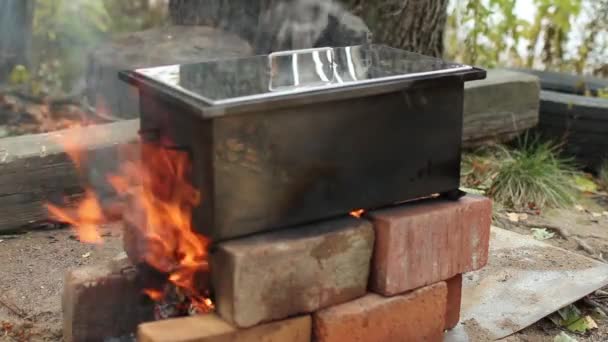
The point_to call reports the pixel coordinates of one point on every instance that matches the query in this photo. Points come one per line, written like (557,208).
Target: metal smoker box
(298,136)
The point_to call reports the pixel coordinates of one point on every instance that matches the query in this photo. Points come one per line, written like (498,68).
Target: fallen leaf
(86,255)
(597,313)
(513,217)
(579,207)
(582,325)
(569,315)
(605,213)
(523,217)
(596,214)
(563,337)
(585,184)
(542,234)
(591,322)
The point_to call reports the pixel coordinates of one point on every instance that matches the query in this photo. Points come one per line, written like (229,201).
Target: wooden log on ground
(500,107)
(35,169)
(155,47)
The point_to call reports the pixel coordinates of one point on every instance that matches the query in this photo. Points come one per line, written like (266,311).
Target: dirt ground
(588,235)
(33,267)
(32,270)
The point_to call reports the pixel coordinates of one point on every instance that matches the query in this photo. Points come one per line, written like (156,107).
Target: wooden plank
(500,107)
(35,169)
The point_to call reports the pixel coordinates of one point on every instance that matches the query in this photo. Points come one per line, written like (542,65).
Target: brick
(415,316)
(423,243)
(280,274)
(452,316)
(211,328)
(100,302)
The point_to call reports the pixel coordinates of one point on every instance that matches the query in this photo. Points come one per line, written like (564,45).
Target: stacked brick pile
(394,275)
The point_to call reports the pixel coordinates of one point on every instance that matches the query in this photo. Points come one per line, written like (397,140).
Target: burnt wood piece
(35,169)
(155,47)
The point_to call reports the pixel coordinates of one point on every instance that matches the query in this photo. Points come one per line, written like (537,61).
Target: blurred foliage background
(561,35)
(64,31)
(558,35)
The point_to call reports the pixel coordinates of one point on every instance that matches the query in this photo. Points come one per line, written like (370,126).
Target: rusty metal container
(298,136)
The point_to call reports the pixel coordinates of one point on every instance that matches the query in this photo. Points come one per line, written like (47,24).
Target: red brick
(211,328)
(424,243)
(415,316)
(452,315)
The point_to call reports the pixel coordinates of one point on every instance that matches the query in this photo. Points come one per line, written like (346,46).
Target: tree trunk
(413,25)
(270,25)
(15,34)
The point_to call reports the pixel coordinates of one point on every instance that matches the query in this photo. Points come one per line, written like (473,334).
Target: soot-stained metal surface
(298,136)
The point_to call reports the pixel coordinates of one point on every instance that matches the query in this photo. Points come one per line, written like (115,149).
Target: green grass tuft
(531,175)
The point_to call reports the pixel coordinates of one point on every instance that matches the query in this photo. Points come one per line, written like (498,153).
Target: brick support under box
(452,316)
(300,270)
(418,315)
(423,243)
(102,301)
(211,328)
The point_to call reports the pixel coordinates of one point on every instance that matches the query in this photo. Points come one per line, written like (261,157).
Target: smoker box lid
(278,75)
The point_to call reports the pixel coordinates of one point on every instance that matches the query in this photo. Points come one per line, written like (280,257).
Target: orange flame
(87,217)
(357,213)
(154,294)
(158,185)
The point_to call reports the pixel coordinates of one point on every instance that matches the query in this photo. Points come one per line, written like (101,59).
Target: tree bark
(270,25)
(413,25)
(15,34)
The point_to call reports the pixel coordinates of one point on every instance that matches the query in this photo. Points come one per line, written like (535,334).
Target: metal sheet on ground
(524,281)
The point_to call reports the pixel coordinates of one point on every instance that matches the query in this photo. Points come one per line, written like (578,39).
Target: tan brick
(424,243)
(452,316)
(102,301)
(415,316)
(299,270)
(211,328)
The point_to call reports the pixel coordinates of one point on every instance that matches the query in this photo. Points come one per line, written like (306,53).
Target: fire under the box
(202,178)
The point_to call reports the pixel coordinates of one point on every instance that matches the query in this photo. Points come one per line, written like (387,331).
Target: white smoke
(300,24)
